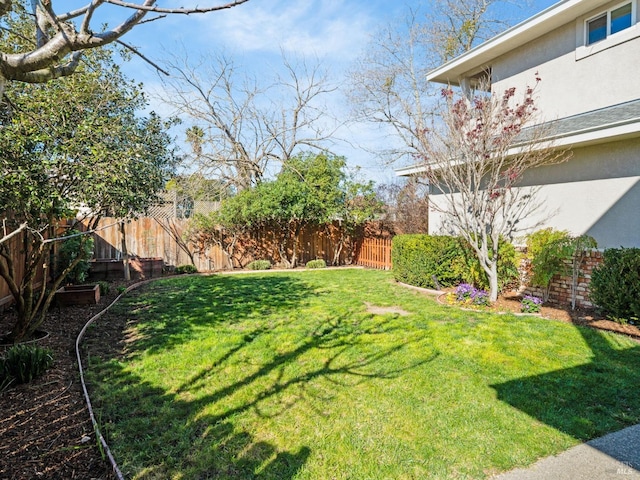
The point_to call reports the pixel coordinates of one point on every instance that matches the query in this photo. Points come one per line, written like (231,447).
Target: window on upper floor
(612,21)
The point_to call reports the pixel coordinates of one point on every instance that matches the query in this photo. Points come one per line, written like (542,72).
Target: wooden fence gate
(375,253)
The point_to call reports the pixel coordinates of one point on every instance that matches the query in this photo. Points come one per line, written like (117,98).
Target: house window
(620,18)
(597,29)
(612,21)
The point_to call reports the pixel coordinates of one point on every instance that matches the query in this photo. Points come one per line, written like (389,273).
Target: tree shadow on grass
(586,401)
(154,435)
(172,309)
(193,430)
(346,363)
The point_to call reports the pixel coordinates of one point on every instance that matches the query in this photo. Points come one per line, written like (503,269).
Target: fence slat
(375,253)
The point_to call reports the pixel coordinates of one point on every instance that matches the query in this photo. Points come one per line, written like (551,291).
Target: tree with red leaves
(475,159)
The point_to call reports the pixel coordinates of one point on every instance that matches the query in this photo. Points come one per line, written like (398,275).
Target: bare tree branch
(59,41)
(137,52)
(388,84)
(239,128)
(8,236)
(182,10)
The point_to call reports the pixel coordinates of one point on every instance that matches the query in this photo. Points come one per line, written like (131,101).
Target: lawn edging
(428,291)
(96,427)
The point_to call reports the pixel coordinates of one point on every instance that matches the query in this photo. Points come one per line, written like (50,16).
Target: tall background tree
(388,84)
(70,146)
(406,206)
(242,129)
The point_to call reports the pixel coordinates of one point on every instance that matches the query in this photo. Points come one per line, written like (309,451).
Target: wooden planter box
(111,269)
(78,295)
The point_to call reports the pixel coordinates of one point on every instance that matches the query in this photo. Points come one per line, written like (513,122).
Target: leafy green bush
(319,263)
(556,252)
(70,250)
(188,268)
(547,250)
(23,363)
(259,265)
(615,284)
(467,266)
(104,287)
(417,259)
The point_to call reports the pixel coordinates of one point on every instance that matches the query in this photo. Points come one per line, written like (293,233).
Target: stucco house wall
(596,192)
(574,78)
(590,91)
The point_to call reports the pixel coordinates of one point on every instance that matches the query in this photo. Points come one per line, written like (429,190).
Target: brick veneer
(560,291)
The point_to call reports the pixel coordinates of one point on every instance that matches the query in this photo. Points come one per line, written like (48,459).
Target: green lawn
(287,376)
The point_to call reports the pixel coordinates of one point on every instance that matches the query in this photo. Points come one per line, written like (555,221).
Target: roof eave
(583,138)
(481,56)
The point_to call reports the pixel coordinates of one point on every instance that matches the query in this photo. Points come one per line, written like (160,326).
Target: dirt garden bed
(510,302)
(45,431)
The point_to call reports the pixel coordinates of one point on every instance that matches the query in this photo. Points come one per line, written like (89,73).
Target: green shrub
(615,284)
(318,263)
(180,269)
(259,265)
(417,259)
(23,363)
(121,289)
(70,249)
(467,266)
(104,287)
(548,251)
(556,252)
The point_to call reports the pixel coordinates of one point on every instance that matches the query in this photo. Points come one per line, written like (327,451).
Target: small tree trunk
(493,280)
(125,253)
(294,253)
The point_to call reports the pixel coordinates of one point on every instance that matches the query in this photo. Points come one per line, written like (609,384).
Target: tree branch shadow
(588,400)
(192,430)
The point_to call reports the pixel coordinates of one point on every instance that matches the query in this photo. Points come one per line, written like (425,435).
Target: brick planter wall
(560,291)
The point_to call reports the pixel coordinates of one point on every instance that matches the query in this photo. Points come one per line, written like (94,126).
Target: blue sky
(255,34)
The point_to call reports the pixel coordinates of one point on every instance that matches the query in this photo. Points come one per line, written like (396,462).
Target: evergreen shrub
(318,263)
(259,265)
(420,260)
(72,248)
(187,268)
(615,284)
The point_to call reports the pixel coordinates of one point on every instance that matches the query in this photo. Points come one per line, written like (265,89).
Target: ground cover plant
(345,374)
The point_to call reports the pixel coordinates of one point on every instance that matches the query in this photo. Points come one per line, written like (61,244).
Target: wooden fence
(149,237)
(16,247)
(374,253)
(164,238)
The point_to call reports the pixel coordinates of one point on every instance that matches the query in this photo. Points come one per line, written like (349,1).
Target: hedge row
(421,260)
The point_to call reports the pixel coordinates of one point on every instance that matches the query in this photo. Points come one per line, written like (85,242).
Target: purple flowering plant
(530,304)
(468,294)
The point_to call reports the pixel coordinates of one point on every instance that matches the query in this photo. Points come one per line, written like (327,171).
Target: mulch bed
(45,430)
(580,316)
